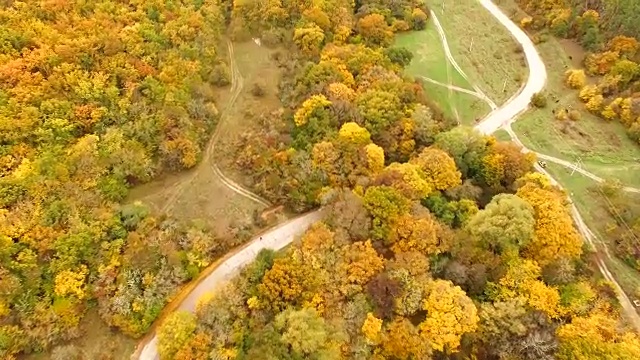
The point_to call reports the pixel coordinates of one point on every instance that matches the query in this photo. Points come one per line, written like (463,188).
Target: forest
(96,97)
(609,31)
(440,242)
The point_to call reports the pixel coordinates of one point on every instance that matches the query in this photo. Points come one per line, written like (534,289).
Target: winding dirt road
(284,234)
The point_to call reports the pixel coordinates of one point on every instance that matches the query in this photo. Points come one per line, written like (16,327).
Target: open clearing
(603,147)
(593,206)
(199,193)
(483,47)
(256,66)
(429,61)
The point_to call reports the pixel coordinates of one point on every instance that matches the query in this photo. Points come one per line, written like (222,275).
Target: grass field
(502,135)
(429,61)
(603,147)
(593,205)
(483,47)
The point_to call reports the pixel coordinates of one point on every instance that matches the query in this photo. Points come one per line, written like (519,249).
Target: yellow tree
(354,133)
(439,168)
(286,283)
(310,105)
(359,263)
(371,328)
(175,332)
(402,340)
(418,234)
(309,39)
(407,178)
(575,78)
(522,281)
(450,314)
(374,28)
(596,337)
(555,236)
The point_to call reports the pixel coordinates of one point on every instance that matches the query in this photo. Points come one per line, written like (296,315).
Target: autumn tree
(450,314)
(374,29)
(402,340)
(555,236)
(596,337)
(439,168)
(522,281)
(176,331)
(385,204)
(509,329)
(575,78)
(309,39)
(505,226)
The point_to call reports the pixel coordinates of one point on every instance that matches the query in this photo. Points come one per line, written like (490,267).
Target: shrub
(562,114)
(258,89)
(575,115)
(595,103)
(220,75)
(539,100)
(575,78)
(588,92)
(526,22)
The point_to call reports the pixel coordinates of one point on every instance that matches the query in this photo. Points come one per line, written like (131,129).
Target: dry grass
(198,193)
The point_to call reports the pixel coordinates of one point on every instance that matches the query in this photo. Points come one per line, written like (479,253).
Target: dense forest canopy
(96,96)
(440,242)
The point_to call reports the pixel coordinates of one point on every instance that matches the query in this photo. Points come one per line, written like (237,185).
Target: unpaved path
(462,90)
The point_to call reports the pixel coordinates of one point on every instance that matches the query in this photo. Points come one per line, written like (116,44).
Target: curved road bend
(274,239)
(283,235)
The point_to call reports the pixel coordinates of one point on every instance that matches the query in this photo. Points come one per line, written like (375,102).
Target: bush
(526,22)
(258,89)
(575,78)
(539,100)
(562,114)
(220,75)
(575,115)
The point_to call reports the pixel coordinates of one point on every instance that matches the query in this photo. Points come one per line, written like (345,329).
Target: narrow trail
(454,63)
(564,163)
(460,89)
